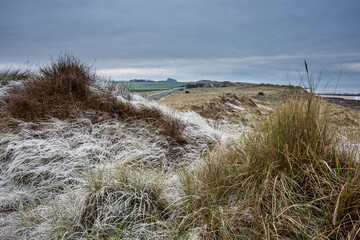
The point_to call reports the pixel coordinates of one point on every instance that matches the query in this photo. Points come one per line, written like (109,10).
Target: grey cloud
(141,32)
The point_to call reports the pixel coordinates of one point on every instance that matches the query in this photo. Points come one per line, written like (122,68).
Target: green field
(153,86)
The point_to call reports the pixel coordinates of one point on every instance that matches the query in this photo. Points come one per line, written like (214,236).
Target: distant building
(171,80)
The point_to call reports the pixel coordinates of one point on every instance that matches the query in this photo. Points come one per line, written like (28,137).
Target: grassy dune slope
(83,159)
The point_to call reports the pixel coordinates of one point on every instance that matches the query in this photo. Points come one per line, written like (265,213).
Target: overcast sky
(236,40)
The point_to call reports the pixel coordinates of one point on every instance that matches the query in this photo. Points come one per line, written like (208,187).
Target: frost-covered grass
(45,161)
(50,169)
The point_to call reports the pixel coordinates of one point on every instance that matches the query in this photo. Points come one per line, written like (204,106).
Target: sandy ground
(196,96)
(239,104)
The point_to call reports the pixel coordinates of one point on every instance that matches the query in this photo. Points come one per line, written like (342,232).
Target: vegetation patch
(290,180)
(66,89)
(116,201)
(13,75)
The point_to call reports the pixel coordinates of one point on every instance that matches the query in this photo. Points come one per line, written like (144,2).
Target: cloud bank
(237,40)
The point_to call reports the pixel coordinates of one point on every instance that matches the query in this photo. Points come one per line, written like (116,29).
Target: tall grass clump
(295,134)
(8,75)
(210,205)
(123,199)
(57,91)
(290,179)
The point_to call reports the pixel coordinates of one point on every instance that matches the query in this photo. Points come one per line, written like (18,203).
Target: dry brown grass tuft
(63,90)
(58,91)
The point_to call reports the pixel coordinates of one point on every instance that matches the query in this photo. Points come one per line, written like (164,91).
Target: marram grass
(290,180)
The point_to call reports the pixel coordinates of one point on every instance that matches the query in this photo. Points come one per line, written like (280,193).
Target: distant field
(153,86)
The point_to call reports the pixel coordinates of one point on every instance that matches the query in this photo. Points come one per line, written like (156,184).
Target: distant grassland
(153,86)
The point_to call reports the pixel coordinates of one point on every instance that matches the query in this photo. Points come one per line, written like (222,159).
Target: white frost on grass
(237,107)
(5,89)
(60,150)
(42,161)
(343,143)
(197,126)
